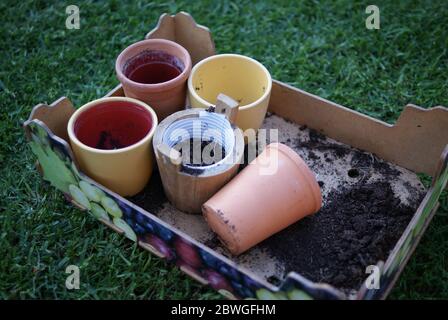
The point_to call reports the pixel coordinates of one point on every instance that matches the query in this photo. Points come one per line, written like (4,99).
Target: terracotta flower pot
(239,77)
(155,71)
(272,192)
(112,142)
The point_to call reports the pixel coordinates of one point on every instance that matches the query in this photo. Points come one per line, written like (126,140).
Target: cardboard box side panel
(181,28)
(405,143)
(54,116)
(165,29)
(405,252)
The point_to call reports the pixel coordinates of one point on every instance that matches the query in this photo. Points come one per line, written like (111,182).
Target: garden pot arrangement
(111,139)
(361,204)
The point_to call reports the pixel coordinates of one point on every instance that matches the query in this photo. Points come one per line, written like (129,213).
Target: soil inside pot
(200,153)
(367,204)
(107,141)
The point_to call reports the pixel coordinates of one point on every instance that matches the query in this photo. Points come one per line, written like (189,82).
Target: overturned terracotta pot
(275,190)
(155,71)
(197,152)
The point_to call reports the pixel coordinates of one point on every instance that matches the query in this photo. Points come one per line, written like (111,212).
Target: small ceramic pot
(112,142)
(155,71)
(242,78)
(275,190)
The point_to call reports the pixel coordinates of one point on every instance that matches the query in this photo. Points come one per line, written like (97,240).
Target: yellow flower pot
(111,139)
(239,77)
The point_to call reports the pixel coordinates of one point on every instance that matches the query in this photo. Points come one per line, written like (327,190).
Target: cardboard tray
(417,143)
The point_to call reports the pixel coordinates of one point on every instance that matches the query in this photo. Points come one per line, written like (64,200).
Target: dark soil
(210,109)
(317,142)
(108,142)
(357,227)
(364,160)
(152,198)
(213,242)
(213,154)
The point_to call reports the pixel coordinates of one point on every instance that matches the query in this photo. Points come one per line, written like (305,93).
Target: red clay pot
(272,192)
(165,93)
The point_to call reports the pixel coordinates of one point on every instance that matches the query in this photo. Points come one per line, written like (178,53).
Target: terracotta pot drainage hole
(353,173)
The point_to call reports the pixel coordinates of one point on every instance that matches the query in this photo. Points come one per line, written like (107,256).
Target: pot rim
(304,169)
(155,87)
(91,104)
(225,55)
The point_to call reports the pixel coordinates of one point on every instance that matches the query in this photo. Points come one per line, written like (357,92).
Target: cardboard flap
(420,136)
(54,116)
(182,28)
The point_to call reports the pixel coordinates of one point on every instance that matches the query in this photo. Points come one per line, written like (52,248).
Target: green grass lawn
(321,47)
